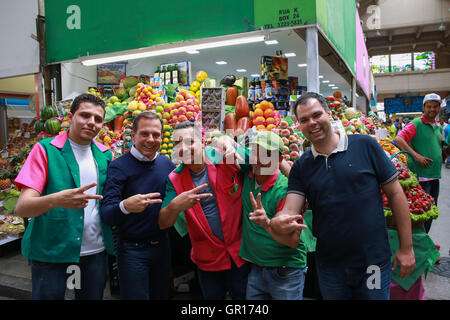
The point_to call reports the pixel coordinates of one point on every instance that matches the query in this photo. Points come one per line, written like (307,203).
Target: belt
(154,242)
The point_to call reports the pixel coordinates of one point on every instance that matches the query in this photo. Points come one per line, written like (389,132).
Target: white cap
(432,97)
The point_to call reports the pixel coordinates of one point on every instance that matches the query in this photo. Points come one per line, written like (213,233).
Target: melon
(39,126)
(350,113)
(130,82)
(52,126)
(120,93)
(48,112)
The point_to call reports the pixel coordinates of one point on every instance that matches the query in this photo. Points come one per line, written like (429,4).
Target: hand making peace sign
(188,199)
(259,215)
(76,198)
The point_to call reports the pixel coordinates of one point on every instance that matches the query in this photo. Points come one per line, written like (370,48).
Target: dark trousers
(50,280)
(216,284)
(144,270)
(432,188)
(343,283)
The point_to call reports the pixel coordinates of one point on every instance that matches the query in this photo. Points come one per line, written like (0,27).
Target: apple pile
(185,108)
(292,142)
(149,96)
(264,116)
(336,105)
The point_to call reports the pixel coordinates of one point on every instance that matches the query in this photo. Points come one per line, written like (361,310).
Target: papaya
(232,94)
(230,122)
(243,125)
(242,109)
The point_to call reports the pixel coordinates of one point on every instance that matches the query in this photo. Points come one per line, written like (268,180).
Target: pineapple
(5,181)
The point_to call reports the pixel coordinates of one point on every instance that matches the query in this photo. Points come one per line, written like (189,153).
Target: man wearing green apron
(61,183)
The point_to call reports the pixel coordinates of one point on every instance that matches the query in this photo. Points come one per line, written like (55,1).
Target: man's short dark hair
(146,115)
(86,97)
(310,95)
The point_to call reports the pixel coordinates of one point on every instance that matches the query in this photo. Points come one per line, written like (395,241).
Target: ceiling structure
(434,36)
(248,57)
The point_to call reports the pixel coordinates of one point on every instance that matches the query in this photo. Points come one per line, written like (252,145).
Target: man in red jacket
(203,197)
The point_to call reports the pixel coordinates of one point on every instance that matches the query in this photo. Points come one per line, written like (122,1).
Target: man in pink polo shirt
(422,138)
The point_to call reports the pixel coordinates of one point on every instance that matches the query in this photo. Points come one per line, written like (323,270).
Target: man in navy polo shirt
(341,177)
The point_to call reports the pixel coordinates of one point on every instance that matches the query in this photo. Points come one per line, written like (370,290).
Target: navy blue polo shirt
(343,191)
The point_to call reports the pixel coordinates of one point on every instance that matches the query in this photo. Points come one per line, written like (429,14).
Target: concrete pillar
(312,60)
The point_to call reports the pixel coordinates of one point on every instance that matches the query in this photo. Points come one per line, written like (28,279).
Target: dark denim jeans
(49,280)
(216,284)
(144,270)
(340,283)
(432,188)
(275,283)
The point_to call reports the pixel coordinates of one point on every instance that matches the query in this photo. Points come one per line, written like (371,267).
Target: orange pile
(264,116)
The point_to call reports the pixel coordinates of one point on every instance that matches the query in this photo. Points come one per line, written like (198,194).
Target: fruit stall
(226,108)
(12,158)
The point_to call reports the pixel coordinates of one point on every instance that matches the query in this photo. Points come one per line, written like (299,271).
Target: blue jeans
(432,188)
(49,280)
(144,270)
(341,283)
(216,284)
(275,283)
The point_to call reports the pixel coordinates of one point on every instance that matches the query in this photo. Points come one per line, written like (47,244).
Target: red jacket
(210,253)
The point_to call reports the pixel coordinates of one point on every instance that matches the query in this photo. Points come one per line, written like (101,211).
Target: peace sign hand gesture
(76,198)
(259,215)
(139,202)
(188,199)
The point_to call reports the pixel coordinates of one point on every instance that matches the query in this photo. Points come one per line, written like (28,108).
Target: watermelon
(39,126)
(48,112)
(52,126)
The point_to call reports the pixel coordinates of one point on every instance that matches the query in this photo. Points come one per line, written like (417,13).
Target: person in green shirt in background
(391,129)
(278,261)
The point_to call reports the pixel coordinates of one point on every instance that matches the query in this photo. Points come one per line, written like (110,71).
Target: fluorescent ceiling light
(290,54)
(256,75)
(269,42)
(320,77)
(193,51)
(241,70)
(160,50)
(335,88)
(221,62)
(326,81)
(302,65)
(331,85)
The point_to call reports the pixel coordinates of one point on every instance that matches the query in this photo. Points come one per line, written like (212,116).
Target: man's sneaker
(447,166)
